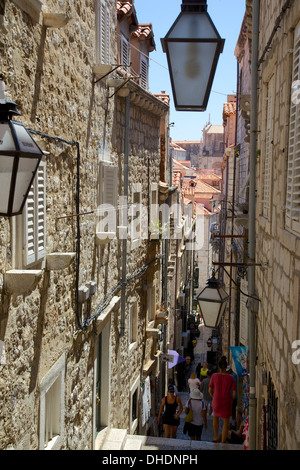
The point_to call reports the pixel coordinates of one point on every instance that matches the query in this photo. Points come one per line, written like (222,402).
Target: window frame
(30,226)
(132,324)
(154,212)
(134,389)
(136,236)
(268,154)
(292,223)
(151,303)
(56,373)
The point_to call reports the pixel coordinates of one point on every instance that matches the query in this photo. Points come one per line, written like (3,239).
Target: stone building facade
(277,219)
(80,336)
(276,384)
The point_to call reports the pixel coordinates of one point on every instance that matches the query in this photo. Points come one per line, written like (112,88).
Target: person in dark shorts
(172,407)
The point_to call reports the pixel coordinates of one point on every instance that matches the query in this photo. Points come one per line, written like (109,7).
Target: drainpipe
(252,191)
(125,192)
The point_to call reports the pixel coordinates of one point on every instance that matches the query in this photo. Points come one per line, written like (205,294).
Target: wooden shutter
(109,195)
(40,211)
(102,15)
(293,166)
(35,219)
(144,73)
(29,248)
(268,149)
(125,53)
(110,184)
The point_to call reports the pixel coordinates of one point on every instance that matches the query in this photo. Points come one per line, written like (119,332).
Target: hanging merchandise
(239,354)
(146,401)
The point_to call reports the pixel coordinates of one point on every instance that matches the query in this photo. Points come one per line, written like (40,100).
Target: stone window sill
(58,261)
(20,282)
(102,238)
(32,7)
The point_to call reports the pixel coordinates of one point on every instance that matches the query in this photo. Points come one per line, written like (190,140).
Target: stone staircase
(118,439)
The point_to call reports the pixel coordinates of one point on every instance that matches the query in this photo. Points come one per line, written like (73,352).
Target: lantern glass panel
(193,25)
(191,65)
(6,164)
(210,312)
(25,141)
(26,169)
(6,138)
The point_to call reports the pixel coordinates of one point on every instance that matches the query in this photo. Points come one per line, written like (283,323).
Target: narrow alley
(117,439)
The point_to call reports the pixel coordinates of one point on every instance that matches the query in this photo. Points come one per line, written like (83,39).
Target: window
(124,52)
(134,405)
(267,162)
(151,303)
(31,225)
(132,330)
(272,417)
(293,165)
(108,195)
(136,215)
(52,407)
(154,212)
(144,73)
(102,32)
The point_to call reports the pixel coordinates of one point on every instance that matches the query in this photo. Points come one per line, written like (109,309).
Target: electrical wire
(138,274)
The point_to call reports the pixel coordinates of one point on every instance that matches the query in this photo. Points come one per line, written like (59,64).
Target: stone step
(161,443)
(114,439)
(118,439)
(134,442)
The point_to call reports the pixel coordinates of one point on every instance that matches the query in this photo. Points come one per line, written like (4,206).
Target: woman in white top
(196,404)
(193,382)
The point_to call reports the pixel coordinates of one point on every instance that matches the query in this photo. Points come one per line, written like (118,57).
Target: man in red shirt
(222,388)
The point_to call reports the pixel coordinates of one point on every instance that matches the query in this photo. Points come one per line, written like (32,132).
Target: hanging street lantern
(193,46)
(19,159)
(212,302)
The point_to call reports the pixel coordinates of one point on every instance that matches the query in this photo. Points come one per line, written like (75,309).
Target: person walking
(204,388)
(193,382)
(172,407)
(203,371)
(195,403)
(222,388)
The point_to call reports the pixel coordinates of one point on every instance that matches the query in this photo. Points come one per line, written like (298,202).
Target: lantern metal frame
(223,297)
(16,143)
(197,7)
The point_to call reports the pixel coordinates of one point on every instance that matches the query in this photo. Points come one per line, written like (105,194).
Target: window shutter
(293,166)
(102,15)
(108,198)
(41,211)
(144,73)
(35,219)
(110,182)
(29,249)
(268,149)
(125,53)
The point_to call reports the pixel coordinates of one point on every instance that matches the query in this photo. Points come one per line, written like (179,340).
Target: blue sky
(227,17)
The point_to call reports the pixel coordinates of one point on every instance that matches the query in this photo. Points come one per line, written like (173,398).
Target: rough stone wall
(278,249)
(49,73)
